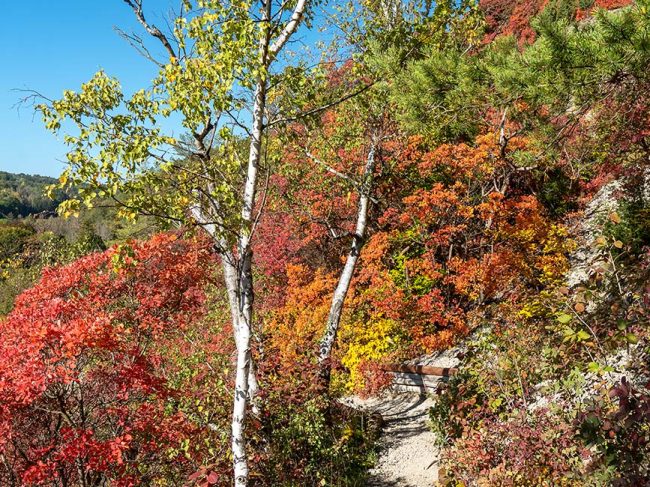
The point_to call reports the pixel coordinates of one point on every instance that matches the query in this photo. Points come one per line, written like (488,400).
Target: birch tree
(214,62)
(387,35)
(365,189)
(362,122)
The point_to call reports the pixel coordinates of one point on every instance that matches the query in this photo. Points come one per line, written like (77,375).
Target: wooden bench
(418,378)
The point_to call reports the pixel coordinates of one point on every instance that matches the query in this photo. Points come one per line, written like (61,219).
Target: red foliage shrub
(511,17)
(505,17)
(530,448)
(84,398)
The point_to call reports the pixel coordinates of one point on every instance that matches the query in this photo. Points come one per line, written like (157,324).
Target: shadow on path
(408,456)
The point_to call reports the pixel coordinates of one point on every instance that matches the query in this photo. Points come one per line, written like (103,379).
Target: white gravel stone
(408,454)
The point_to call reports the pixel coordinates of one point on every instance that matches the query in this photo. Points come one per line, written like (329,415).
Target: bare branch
(314,111)
(235,120)
(31,98)
(136,6)
(137,43)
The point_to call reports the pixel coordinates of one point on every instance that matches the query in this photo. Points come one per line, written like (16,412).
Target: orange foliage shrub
(452,229)
(295,328)
(467,236)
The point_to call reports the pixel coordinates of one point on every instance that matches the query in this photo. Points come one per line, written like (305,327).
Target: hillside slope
(24,194)
(563,393)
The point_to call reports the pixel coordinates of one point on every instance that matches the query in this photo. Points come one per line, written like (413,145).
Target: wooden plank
(422,384)
(422,370)
(415,382)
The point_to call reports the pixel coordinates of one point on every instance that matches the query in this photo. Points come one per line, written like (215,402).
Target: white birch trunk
(245,381)
(243,378)
(237,265)
(341,291)
(245,294)
(242,334)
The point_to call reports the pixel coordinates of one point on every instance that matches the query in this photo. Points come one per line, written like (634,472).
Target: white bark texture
(358,239)
(237,262)
(245,381)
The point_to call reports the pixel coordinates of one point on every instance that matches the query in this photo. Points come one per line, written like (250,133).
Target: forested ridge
(24,194)
(461,177)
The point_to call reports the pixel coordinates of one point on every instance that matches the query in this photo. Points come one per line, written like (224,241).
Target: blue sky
(52,45)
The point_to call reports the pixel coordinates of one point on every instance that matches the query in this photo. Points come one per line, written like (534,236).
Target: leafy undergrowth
(116,371)
(561,395)
(313,445)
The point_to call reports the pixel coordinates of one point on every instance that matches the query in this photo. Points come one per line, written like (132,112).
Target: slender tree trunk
(238,271)
(243,338)
(341,291)
(237,275)
(244,381)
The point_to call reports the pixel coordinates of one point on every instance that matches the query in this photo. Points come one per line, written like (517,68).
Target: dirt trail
(408,456)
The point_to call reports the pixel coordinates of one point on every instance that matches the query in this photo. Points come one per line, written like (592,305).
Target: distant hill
(23,194)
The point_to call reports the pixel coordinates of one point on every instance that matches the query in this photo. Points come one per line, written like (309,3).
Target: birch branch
(321,108)
(136,6)
(289,29)
(339,174)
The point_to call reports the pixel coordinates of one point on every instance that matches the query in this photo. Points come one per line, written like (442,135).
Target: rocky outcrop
(586,233)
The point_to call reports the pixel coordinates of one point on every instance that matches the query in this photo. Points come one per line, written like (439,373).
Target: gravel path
(408,456)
